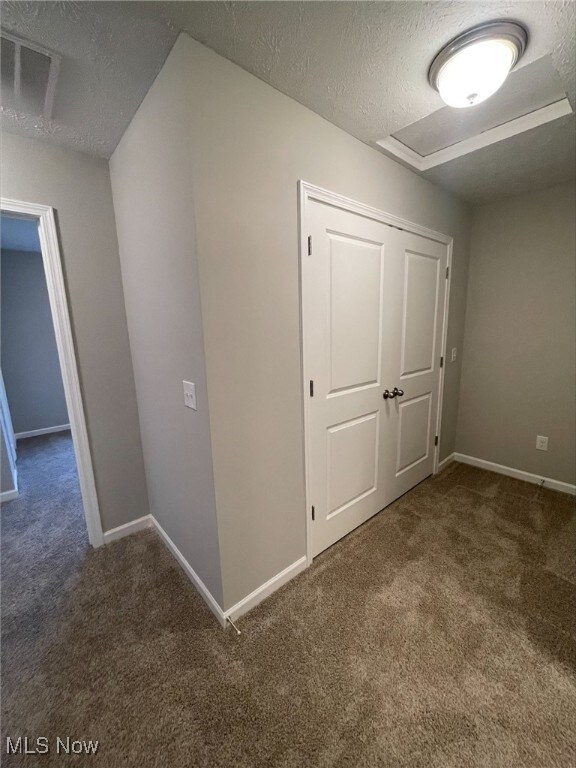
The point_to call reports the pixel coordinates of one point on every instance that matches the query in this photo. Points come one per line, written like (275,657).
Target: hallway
(44,541)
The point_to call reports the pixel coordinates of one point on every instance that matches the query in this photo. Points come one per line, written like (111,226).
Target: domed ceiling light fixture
(475,64)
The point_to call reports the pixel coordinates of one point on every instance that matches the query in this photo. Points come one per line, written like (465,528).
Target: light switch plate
(541,443)
(189,395)
(453,355)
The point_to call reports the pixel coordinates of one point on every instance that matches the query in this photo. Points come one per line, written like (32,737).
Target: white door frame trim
(308,193)
(50,248)
(9,441)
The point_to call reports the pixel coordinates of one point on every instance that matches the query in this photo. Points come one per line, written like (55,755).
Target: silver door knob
(391,395)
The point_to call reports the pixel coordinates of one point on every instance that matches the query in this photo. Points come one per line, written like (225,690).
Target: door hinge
(442,362)
(313,514)
(311,388)
(436,440)
(447,272)
(309,245)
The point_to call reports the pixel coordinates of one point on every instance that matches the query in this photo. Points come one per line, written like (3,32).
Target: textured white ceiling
(111,53)
(361,65)
(364,65)
(535,159)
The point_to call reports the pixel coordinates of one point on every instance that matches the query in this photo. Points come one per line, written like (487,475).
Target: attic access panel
(532,96)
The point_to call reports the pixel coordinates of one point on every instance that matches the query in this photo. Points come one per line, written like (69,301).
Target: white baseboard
(248,602)
(519,474)
(237,610)
(45,431)
(446,461)
(128,528)
(9,495)
(266,589)
(191,573)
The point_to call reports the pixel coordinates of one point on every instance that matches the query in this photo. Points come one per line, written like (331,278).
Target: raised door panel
(355,312)
(413,432)
(352,462)
(421,279)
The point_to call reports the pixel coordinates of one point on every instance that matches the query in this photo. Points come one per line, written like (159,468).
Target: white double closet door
(373,319)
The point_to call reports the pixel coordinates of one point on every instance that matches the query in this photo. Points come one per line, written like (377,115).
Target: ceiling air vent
(29,75)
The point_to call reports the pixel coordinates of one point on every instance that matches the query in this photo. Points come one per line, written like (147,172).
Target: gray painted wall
(519,369)
(151,174)
(244,146)
(30,362)
(78,187)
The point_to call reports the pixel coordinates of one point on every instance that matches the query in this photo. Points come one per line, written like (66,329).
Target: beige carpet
(440,634)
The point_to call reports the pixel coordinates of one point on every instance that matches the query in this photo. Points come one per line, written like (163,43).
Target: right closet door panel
(414,292)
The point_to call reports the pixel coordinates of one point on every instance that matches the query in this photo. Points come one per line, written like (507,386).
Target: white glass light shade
(474,73)
(475,64)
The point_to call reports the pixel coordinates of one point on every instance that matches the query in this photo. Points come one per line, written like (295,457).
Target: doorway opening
(47,476)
